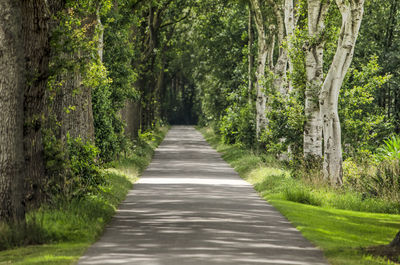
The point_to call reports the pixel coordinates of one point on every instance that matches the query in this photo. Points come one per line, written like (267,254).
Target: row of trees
(78,81)
(43,91)
(274,81)
(266,74)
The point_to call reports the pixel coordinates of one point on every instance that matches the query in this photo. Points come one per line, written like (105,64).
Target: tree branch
(176,21)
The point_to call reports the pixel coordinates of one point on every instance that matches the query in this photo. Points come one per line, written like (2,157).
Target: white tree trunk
(261,120)
(317,11)
(100,29)
(280,67)
(290,24)
(352,12)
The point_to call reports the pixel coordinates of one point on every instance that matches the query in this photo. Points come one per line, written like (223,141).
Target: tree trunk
(158,89)
(317,11)
(263,52)
(290,23)
(35,30)
(77,114)
(250,55)
(130,115)
(280,67)
(12,82)
(352,12)
(100,28)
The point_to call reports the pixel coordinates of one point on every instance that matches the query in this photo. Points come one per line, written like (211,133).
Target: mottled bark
(352,13)
(76,113)
(280,67)
(35,30)
(12,81)
(262,54)
(290,24)
(314,48)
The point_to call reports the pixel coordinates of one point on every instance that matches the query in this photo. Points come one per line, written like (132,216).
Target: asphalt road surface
(190,208)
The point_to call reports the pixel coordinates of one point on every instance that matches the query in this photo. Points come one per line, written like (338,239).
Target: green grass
(317,210)
(70,228)
(340,233)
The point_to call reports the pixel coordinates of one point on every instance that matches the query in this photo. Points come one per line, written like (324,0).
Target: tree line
(81,79)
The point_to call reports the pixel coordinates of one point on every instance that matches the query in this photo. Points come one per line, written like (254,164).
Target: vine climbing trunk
(12,81)
(314,48)
(352,13)
(77,114)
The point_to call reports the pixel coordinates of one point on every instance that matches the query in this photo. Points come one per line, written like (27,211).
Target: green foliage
(222,75)
(108,126)
(285,128)
(238,125)
(119,51)
(85,175)
(363,122)
(390,150)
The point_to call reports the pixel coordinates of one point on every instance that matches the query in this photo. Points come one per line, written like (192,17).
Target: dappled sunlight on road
(190,207)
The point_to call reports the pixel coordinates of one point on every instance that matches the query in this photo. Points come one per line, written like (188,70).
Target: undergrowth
(81,220)
(273,180)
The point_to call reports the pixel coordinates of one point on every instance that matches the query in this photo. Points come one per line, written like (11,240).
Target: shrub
(84,174)
(237,126)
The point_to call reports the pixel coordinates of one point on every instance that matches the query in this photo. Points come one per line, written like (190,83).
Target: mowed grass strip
(72,227)
(343,235)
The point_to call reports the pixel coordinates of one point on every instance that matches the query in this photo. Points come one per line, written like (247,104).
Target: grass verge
(70,228)
(343,235)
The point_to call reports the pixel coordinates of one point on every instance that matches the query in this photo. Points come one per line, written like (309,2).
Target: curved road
(190,208)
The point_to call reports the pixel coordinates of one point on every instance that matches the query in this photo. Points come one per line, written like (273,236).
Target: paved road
(191,208)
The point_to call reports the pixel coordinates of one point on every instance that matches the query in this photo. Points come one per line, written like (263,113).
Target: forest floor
(191,207)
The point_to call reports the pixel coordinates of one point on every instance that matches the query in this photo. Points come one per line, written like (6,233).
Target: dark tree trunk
(396,241)
(12,81)
(35,21)
(130,115)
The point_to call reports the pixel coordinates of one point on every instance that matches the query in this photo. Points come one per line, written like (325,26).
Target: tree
(264,49)
(250,56)
(314,50)
(36,19)
(12,81)
(352,13)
